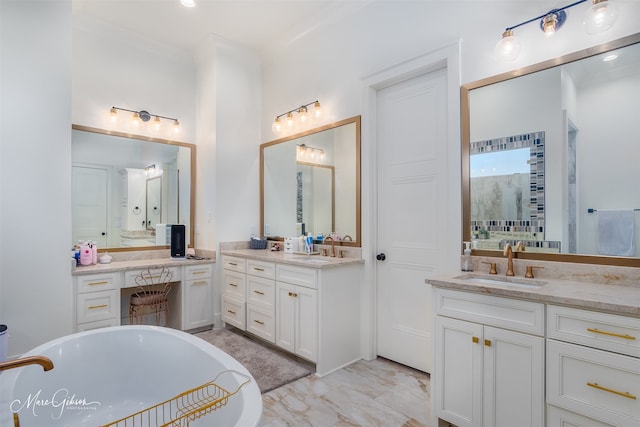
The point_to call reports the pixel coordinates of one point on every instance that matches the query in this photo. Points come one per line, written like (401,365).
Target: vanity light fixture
(301,117)
(306,152)
(598,18)
(150,170)
(143,116)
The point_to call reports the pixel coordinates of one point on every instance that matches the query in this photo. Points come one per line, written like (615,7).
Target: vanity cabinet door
(297,320)
(513,378)
(198,289)
(487,376)
(457,379)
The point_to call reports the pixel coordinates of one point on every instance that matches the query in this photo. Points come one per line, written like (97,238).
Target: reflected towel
(615,232)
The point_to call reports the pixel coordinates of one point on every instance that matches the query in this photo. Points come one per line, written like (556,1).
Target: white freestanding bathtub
(103,375)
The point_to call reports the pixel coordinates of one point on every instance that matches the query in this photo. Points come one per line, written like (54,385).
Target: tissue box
(290,245)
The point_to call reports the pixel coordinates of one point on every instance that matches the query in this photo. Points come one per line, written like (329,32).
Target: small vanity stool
(151,295)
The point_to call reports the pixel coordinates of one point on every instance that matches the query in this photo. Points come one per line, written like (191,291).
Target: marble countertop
(136,264)
(611,297)
(314,261)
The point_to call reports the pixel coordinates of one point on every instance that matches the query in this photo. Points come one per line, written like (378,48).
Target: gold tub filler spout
(45,362)
(180,410)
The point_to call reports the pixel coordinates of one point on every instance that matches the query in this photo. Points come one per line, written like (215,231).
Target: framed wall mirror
(549,157)
(124,186)
(312,177)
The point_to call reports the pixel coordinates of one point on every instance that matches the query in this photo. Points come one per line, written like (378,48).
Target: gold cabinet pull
(94,307)
(198,272)
(475,339)
(610,390)
(233,263)
(232,312)
(104,282)
(201,282)
(293,294)
(233,284)
(487,343)
(259,322)
(612,334)
(259,292)
(258,269)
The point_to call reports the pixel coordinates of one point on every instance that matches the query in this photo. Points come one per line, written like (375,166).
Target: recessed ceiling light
(610,57)
(188,3)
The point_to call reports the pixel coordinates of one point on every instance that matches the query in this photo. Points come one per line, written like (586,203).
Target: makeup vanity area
(125,189)
(102,291)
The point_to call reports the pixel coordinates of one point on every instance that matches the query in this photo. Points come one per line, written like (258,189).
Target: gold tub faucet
(45,362)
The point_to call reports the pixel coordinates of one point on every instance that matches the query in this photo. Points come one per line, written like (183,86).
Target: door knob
(381,257)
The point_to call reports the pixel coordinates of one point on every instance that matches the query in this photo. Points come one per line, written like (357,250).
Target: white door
(411,207)
(90,204)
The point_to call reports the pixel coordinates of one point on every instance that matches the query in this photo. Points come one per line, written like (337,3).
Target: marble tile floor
(366,393)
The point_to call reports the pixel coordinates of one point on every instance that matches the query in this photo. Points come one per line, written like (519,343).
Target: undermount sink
(312,260)
(501,281)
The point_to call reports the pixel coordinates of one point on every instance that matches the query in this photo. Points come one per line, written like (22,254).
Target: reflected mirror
(548,151)
(124,185)
(313,178)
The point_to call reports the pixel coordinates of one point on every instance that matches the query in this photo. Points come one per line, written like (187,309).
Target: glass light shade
(549,25)
(508,48)
(302,114)
(600,17)
(290,121)
(176,126)
(135,120)
(276,127)
(156,123)
(113,115)
(317,112)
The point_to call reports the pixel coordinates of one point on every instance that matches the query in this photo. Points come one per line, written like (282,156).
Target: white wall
(35,172)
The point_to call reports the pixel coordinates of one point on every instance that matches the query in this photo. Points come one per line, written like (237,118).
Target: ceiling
(252,23)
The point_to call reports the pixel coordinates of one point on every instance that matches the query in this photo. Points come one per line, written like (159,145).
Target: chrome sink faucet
(508,252)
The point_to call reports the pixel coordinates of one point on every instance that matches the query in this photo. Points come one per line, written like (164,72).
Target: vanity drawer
(234,285)
(507,313)
(130,276)
(307,277)
(234,263)
(234,312)
(96,306)
(560,418)
(610,332)
(594,383)
(98,282)
(261,269)
(260,322)
(194,272)
(261,291)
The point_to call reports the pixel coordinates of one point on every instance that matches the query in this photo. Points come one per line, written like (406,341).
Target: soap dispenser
(467,263)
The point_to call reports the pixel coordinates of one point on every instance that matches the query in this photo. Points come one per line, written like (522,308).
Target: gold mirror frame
(192,183)
(357,242)
(466,140)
